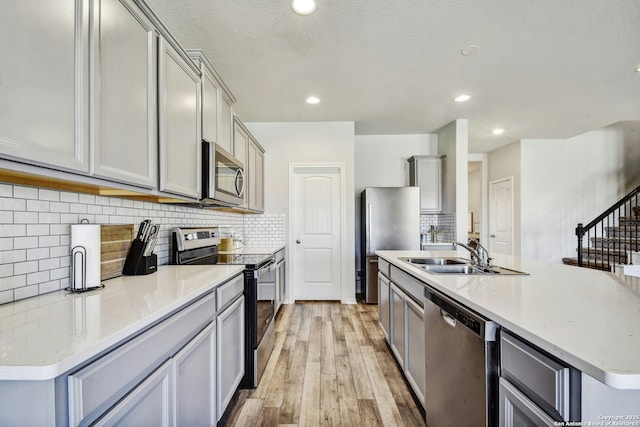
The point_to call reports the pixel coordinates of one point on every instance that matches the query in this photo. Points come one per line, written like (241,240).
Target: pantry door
(501,216)
(316,205)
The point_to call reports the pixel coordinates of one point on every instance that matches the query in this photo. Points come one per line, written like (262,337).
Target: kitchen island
(56,348)
(588,319)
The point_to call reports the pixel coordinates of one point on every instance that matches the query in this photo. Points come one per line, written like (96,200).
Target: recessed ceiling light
(313,100)
(497,131)
(462,98)
(638,70)
(303,7)
(470,50)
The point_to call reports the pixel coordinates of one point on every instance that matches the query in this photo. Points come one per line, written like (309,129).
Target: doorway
(317,231)
(501,216)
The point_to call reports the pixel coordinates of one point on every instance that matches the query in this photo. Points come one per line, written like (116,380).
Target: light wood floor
(330,366)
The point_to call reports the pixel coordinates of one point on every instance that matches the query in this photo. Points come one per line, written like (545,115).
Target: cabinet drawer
(96,387)
(228,292)
(542,379)
(383,267)
(410,285)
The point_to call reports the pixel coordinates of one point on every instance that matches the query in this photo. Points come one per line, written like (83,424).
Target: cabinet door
(240,148)
(44,83)
(397,332)
(194,374)
(518,411)
(123,88)
(225,125)
(383,305)
(149,404)
(180,141)
(256,177)
(414,361)
(282,279)
(230,353)
(210,101)
(426,173)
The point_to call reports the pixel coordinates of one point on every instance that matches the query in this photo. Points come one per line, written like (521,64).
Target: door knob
(298,241)
(493,236)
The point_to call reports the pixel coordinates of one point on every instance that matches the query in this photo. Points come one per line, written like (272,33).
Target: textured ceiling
(545,68)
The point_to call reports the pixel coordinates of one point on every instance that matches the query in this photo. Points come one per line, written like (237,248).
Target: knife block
(137,264)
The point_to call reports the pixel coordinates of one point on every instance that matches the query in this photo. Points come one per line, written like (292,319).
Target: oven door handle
(265,269)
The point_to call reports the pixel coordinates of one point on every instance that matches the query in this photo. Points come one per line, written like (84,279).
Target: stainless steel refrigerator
(390,219)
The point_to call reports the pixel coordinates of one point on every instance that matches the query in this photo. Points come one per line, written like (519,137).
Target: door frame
(340,168)
(484,211)
(495,181)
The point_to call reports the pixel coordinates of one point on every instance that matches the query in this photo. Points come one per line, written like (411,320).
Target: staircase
(611,237)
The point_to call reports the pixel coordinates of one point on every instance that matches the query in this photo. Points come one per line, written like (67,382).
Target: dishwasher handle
(448,319)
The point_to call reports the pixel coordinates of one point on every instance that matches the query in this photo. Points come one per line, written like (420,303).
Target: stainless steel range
(199,246)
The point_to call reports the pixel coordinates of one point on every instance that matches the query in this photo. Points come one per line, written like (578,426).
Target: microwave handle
(239,177)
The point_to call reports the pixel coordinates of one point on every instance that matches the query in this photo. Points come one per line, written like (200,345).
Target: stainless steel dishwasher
(461,356)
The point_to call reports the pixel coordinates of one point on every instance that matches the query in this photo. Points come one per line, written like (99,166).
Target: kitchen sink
(437,261)
(459,266)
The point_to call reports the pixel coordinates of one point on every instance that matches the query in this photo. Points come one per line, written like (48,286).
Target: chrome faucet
(480,255)
(486,260)
(475,257)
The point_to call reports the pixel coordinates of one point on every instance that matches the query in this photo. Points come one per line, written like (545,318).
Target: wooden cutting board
(115,243)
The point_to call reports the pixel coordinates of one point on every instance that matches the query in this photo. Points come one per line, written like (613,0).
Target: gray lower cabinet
(180,128)
(518,411)
(123,68)
(397,329)
(230,353)
(414,363)
(383,304)
(281,279)
(535,389)
(195,380)
(149,404)
(44,86)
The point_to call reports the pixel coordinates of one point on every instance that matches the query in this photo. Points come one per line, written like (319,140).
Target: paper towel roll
(87,236)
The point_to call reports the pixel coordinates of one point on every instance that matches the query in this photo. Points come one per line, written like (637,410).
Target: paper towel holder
(79,256)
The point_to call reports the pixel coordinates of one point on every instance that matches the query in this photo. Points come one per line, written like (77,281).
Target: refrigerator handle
(369,227)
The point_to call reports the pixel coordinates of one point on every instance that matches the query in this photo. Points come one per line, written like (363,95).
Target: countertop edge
(610,378)
(50,372)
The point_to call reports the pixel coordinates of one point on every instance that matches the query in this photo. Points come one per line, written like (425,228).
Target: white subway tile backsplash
(48,264)
(58,251)
(20,192)
(9,204)
(6,243)
(38,230)
(78,208)
(70,218)
(6,217)
(12,230)
(12,282)
(25,292)
(49,218)
(25,217)
(59,273)
(25,267)
(51,195)
(37,206)
(94,209)
(40,253)
(6,270)
(61,207)
(30,242)
(51,286)
(69,197)
(39,277)
(59,229)
(6,296)
(6,190)
(47,241)
(9,257)
(115,202)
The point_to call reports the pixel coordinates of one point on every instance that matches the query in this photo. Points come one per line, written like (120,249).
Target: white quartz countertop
(255,250)
(45,336)
(587,318)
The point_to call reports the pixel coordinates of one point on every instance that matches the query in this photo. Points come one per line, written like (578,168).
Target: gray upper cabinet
(123,84)
(426,172)
(44,83)
(255,162)
(225,124)
(180,127)
(241,146)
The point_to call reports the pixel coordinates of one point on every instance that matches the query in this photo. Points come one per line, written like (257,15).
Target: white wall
(381,160)
(475,192)
(565,182)
(453,142)
(300,142)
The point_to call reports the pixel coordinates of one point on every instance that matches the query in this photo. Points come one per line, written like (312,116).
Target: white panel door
(317,225)
(501,216)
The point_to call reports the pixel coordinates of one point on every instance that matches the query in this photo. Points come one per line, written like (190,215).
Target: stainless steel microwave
(222,177)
